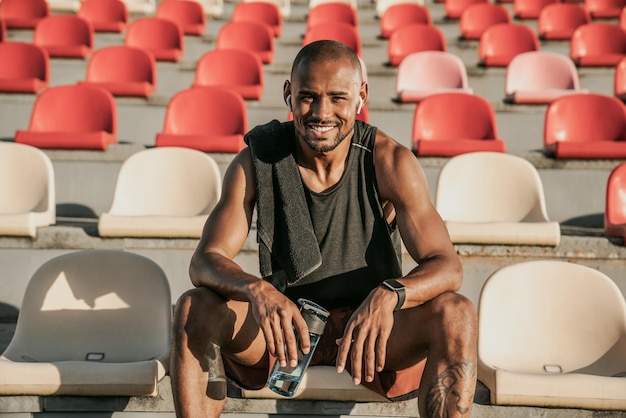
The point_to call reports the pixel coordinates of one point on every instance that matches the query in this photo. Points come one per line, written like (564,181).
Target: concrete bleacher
(575,192)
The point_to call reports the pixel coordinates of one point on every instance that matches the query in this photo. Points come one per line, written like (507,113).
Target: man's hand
(277,317)
(366,335)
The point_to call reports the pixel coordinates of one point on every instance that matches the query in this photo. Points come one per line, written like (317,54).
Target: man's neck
(321,171)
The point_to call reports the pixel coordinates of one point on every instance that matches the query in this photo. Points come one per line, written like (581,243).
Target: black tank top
(359,249)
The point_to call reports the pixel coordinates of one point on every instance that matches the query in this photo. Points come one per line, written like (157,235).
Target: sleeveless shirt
(359,248)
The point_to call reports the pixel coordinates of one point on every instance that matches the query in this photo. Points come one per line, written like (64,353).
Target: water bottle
(285,380)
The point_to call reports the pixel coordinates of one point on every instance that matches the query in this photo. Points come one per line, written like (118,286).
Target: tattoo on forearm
(452,394)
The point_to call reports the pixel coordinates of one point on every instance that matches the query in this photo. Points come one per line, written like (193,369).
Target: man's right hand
(277,317)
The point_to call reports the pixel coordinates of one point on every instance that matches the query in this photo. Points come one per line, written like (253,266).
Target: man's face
(325,97)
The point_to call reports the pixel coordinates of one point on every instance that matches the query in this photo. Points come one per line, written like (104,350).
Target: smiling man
(334,198)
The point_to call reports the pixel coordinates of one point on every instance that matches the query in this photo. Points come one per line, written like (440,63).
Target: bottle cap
(314,315)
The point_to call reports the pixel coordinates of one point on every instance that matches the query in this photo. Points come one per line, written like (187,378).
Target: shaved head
(325,50)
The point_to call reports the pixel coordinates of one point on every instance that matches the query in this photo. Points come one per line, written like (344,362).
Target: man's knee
(196,310)
(456,314)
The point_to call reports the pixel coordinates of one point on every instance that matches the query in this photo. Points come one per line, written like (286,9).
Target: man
(353,215)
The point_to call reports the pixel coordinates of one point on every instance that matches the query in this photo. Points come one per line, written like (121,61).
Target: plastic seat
(72,117)
(188,14)
(122,70)
(104,15)
(252,36)
(27,192)
(500,43)
(25,68)
(162,37)
(402,14)
(585,126)
(3,31)
(314,3)
(494,198)
(283,5)
(422,74)
(530,9)
(622,19)
(211,119)
(558,21)
(454,8)
(337,31)
(478,17)
(604,9)
(92,323)
(598,45)
(540,77)
(64,5)
(23,14)
(332,12)
(142,7)
(259,11)
(162,192)
(65,36)
(236,69)
(619,85)
(414,38)
(383,5)
(474,127)
(541,346)
(615,203)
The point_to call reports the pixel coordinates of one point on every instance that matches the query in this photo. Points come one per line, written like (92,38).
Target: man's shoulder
(270,142)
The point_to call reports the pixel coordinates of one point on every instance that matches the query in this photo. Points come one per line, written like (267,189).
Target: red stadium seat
(604,9)
(259,11)
(530,9)
(538,77)
(162,37)
(332,12)
(210,119)
(64,36)
(474,127)
(402,14)
(615,206)
(585,126)
(454,8)
(414,38)
(558,21)
(598,45)
(123,70)
(252,36)
(338,31)
(500,43)
(104,15)
(23,14)
(619,85)
(3,31)
(188,14)
(235,69)
(72,117)
(25,68)
(478,17)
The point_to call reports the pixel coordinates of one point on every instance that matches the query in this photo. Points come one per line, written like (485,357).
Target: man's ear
(288,102)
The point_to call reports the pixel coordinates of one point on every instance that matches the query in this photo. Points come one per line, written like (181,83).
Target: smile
(321,129)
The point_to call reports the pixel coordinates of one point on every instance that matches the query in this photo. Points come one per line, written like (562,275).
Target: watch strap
(398,288)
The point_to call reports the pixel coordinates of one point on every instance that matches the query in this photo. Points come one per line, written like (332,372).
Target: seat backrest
(23,9)
(109,305)
(490,187)
(507,39)
(548,315)
(63,29)
(478,17)
(229,67)
(454,8)
(74,108)
(259,11)
(121,63)
(167,181)
(604,8)
(206,111)
(183,12)
(103,11)
(401,14)
(28,184)
(154,33)
(597,38)
(332,12)
(431,70)
(337,31)
(539,70)
(473,116)
(253,36)
(530,9)
(24,60)
(3,30)
(615,209)
(619,85)
(561,17)
(414,38)
(585,118)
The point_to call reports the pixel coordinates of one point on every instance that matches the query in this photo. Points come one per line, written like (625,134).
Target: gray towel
(288,248)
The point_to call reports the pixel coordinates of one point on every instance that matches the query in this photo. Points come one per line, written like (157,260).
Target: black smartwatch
(398,288)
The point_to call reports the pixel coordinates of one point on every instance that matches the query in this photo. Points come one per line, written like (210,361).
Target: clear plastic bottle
(285,380)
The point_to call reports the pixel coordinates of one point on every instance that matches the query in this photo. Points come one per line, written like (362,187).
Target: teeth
(322,128)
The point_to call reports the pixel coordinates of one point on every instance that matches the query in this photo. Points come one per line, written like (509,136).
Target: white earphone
(288,102)
(361,103)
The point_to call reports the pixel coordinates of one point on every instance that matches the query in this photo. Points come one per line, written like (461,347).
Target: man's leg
(446,329)
(204,326)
